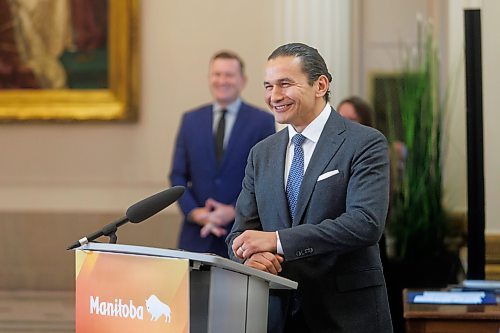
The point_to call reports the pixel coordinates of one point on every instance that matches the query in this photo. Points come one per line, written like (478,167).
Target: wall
(105,167)
(33,244)
(59,182)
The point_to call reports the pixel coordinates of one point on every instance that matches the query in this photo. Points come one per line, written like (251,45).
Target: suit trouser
(284,314)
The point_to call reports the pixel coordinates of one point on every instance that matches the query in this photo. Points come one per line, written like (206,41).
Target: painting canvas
(68,60)
(385,101)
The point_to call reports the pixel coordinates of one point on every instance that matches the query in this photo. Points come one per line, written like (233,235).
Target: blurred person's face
(288,93)
(348,111)
(225,80)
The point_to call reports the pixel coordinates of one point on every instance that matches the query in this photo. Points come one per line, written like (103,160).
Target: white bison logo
(157,308)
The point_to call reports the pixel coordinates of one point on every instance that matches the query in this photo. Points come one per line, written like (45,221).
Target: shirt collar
(231,108)
(313,131)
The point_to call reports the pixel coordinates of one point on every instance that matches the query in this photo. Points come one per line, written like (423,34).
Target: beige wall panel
(106,167)
(59,182)
(33,245)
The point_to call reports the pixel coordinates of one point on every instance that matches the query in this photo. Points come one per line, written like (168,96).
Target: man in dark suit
(313,204)
(211,150)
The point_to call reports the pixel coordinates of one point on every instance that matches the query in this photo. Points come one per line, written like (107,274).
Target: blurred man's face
(348,111)
(225,80)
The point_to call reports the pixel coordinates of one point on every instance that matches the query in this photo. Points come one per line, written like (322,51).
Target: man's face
(348,111)
(225,80)
(288,93)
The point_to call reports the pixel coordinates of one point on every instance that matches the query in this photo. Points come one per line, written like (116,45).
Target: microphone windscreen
(148,207)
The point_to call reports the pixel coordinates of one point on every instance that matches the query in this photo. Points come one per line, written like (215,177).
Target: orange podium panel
(118,292)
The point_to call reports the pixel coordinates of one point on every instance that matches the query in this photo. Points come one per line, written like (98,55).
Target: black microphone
(148,207)
(136,213)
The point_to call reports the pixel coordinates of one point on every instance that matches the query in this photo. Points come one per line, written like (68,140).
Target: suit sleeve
(362,223)
(247,217)
(179,175)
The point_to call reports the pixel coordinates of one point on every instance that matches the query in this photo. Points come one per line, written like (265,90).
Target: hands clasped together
(257,248)
(213,217)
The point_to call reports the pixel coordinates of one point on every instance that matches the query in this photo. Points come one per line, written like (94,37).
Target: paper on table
(452,297)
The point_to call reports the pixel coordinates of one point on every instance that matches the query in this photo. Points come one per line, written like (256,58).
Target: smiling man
(210,154)
(313,205)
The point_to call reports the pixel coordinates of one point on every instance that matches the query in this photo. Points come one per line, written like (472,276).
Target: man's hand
(265,261)
(211,228)
(252,241)
(220,214)
(199,215)
(213,217)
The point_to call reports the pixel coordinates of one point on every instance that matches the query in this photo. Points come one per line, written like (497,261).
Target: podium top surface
(275,282)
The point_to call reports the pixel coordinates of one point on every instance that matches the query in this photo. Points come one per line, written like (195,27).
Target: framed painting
(384,98)
(74,60)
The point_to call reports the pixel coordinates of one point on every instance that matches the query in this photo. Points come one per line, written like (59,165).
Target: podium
(136,289)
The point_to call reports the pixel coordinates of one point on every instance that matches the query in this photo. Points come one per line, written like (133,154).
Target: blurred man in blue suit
(210,155)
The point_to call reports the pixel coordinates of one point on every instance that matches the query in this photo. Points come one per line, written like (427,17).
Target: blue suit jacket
(195,167)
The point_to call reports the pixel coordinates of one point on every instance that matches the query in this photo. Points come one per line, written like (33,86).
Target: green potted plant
(417,224)
(417,221)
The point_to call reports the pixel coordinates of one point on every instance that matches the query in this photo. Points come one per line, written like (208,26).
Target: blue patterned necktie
(296,173)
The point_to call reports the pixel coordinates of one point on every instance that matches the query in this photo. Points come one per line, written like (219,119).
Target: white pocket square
(328,174)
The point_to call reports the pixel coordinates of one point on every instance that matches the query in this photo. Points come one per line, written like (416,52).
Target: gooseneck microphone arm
(136,213)
(108,230)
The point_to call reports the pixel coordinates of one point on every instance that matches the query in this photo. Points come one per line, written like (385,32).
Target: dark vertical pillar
(475,161)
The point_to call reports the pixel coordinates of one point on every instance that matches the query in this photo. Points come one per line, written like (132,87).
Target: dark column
(475,161)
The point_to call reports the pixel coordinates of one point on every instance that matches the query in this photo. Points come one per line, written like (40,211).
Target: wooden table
(436,318)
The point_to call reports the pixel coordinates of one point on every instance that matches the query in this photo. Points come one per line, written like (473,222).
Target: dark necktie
(219,136)
(296,173)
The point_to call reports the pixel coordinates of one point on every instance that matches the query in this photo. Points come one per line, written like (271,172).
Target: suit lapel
(331,139)
(276,177)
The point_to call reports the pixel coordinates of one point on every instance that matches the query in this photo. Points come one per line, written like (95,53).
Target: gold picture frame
(119,102)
